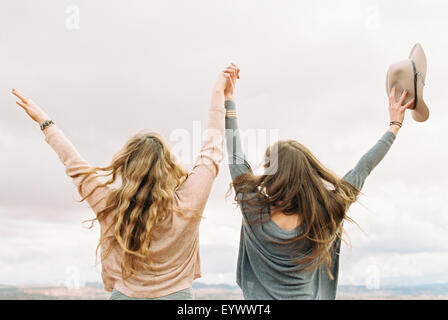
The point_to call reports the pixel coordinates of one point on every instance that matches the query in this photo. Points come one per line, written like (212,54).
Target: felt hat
(410,74)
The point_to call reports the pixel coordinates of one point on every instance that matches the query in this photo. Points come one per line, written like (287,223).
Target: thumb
(409,105)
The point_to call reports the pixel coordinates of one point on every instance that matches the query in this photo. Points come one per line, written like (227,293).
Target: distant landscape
(94,291)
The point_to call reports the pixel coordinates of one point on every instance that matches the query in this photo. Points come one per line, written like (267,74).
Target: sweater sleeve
(194,192)
(237,160)
(75,165)
(369,161)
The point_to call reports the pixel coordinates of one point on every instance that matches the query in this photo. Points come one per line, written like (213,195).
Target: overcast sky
(315,71)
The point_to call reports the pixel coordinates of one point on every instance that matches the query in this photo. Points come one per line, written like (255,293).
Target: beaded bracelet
(46,124)
(396,123)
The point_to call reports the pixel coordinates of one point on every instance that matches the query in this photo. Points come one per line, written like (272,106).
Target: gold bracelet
(230,114)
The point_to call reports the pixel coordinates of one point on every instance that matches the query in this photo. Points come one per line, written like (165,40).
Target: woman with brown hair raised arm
(149,223)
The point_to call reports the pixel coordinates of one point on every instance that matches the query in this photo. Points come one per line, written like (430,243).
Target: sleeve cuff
(50,132)
(229,105)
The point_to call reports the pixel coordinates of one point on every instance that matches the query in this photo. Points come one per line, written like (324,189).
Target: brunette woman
(293,213)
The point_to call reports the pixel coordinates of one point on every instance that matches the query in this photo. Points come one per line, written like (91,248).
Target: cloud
(403,232)
(314,71)
(34,252)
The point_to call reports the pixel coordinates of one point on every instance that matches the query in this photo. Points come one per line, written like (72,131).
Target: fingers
(403,96)
(233,69)
(237,70)
(398,104)
(21,104)
(229,75)
(409,105)
(19,95)
(231,72)
(392,95)
(229,80)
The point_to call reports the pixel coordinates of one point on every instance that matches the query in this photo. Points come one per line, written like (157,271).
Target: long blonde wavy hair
(149,176)
(302,186)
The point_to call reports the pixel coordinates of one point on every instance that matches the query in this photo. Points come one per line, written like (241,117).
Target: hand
(32,109)
(397,110)
(231,74)
(222,83)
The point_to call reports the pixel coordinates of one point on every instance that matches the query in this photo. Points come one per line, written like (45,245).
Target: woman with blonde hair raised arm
(148,207)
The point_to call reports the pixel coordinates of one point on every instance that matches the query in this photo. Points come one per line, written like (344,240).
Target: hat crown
(410,75)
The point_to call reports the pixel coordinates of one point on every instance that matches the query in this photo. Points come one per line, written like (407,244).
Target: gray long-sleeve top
(265,268)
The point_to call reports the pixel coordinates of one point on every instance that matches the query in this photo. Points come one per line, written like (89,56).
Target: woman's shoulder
(253,206)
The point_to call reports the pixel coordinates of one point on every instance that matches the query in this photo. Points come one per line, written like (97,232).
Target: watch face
(45,124)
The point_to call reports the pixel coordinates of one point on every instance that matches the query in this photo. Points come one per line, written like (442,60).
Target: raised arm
(74,164)
(357,176)
(370,160)
(236,159)
(195,190)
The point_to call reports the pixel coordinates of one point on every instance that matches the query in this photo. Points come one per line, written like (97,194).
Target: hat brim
(421,111)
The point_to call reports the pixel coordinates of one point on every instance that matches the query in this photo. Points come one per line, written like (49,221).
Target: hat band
(415,84)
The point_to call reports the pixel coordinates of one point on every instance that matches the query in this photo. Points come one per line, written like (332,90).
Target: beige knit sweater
(175,244)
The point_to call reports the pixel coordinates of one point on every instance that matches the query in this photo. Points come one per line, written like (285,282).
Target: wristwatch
(46,124)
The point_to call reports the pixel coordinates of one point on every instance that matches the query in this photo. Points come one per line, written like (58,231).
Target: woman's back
(175,260)
(267,262)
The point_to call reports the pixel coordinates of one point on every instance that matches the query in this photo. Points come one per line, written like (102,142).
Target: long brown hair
(149,177)
(295,182)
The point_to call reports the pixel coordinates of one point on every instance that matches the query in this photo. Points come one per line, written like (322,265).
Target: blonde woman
(293,213)
(149,223)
